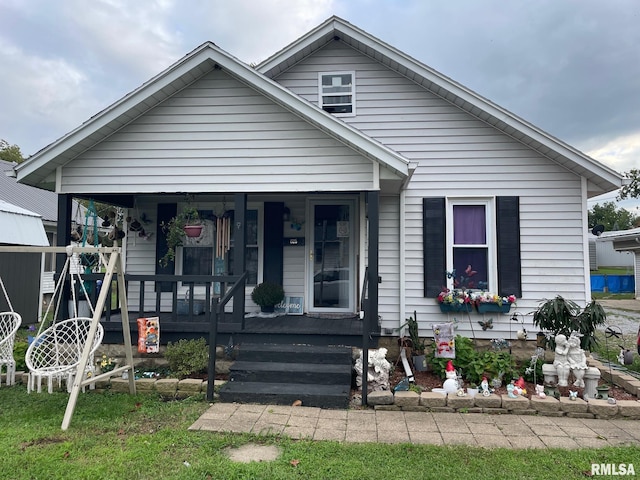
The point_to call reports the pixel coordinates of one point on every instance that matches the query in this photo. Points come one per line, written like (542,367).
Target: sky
(569,67)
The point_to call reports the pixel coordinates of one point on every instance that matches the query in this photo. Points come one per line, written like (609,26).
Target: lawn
(118,436)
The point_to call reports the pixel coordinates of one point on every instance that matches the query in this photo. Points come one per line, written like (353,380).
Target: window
(472,235)
(198,255)
(337,93)
(470,247)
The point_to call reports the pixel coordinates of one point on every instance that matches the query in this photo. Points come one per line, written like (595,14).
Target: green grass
(613,271)
(612,296)
(116,436)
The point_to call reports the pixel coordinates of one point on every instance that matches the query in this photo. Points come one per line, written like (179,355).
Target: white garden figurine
(540,391)
(451,383)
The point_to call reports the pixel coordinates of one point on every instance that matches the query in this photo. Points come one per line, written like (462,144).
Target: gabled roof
(36,200)
(600,178)
(40,169)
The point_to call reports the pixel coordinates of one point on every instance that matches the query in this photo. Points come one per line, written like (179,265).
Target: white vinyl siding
(461,156)
(217,135)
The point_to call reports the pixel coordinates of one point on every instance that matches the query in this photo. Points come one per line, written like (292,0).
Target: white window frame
(352,93)
(490,225)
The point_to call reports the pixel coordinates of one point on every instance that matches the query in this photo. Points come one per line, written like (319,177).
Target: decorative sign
(342,229)
(290,306)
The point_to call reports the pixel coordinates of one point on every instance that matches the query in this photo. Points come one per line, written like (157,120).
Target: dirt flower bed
(429,380)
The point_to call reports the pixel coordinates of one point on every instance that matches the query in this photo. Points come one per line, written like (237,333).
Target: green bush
(267,294)
(19,352)
(187,357)
(473,364)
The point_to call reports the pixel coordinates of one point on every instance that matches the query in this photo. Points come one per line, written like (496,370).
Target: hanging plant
(174,230)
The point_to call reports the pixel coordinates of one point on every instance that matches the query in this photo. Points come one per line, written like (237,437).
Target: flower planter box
(493,308)
(455,307)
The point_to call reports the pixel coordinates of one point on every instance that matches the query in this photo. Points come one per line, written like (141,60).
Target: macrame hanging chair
(54,354)
(9,323)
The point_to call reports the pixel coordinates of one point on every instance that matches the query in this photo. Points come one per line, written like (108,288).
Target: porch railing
(215,286)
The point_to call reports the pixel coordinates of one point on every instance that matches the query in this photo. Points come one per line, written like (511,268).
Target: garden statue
(511,390)
(577,360)
(573,395)
(451,383)
(520,387)
(561,360)
(378,371)
(540,391)
(484,386)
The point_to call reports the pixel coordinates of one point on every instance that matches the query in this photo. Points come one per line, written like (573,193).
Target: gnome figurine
(451,383)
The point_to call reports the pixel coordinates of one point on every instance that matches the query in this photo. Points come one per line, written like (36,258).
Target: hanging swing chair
(55,352)
(9,324)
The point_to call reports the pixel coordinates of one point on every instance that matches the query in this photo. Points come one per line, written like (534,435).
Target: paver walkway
(474,429)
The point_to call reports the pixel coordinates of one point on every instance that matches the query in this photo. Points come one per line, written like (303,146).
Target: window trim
(321,93)
(491,239)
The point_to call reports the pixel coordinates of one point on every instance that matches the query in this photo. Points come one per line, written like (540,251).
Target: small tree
(562,316)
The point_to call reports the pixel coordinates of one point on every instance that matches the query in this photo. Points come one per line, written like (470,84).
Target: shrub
(187,357)
(267,294)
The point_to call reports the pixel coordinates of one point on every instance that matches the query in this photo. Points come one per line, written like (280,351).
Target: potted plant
(454,301)
(177,228)
(267,295)
(491,302)
(562,316)
(417,345)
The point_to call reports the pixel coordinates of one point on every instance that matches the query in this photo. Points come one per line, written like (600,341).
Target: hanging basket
(192,230)
(455,307)
(493,307)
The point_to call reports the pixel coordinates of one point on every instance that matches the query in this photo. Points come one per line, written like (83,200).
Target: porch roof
(600,178)
(40,169)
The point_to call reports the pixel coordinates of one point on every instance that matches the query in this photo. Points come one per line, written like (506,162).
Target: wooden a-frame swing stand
(115,265)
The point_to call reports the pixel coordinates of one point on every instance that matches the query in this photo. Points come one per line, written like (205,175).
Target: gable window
(480,238)
(337,93)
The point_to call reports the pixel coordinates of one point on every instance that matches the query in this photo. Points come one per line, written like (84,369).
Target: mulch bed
(429,380)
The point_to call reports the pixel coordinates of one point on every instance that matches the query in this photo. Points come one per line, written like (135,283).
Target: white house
(342,159)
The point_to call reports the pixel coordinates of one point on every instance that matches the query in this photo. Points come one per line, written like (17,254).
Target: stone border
(503,404)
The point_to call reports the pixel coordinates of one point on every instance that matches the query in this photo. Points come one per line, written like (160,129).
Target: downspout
(585,240)
(402,304)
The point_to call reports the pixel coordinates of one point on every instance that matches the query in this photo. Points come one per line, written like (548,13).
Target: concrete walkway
(474,429)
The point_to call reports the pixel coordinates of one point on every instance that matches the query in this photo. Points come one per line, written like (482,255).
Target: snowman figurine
(484,387)
(451,383)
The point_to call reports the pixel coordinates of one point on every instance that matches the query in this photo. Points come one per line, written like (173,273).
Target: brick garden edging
(503,404)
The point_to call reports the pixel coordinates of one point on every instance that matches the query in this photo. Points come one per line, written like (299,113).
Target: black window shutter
(508,237)
(434,245)
(166,211)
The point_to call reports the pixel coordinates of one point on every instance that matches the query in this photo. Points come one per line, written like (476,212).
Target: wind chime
(223,234)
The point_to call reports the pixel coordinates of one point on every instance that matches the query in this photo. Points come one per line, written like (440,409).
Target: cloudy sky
(570,67)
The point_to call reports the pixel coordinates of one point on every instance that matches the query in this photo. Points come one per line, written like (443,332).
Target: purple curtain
(469,225)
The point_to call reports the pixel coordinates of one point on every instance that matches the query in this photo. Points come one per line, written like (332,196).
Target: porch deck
(313,329)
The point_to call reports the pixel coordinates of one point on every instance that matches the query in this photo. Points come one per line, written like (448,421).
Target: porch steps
(317,375)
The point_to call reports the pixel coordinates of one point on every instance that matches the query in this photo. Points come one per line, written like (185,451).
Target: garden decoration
(520,388)
(445,346)
(521,334)
(451,384)
(9,324)
(484,386)
(573,395)
(511,393)
(577,360)
(540,391)
(561,361)
(378,369)
(490,302)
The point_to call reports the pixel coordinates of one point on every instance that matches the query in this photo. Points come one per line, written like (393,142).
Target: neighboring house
(603,253)
(628,241)
(21,273)
(43,203)
(351,159)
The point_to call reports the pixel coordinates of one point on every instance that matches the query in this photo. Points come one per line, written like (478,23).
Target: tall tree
(10,153)
(632,189)
(611,217)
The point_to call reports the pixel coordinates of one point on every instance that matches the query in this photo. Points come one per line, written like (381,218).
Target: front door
(331,256)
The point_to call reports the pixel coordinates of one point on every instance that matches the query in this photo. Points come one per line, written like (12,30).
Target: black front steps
(318,376)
